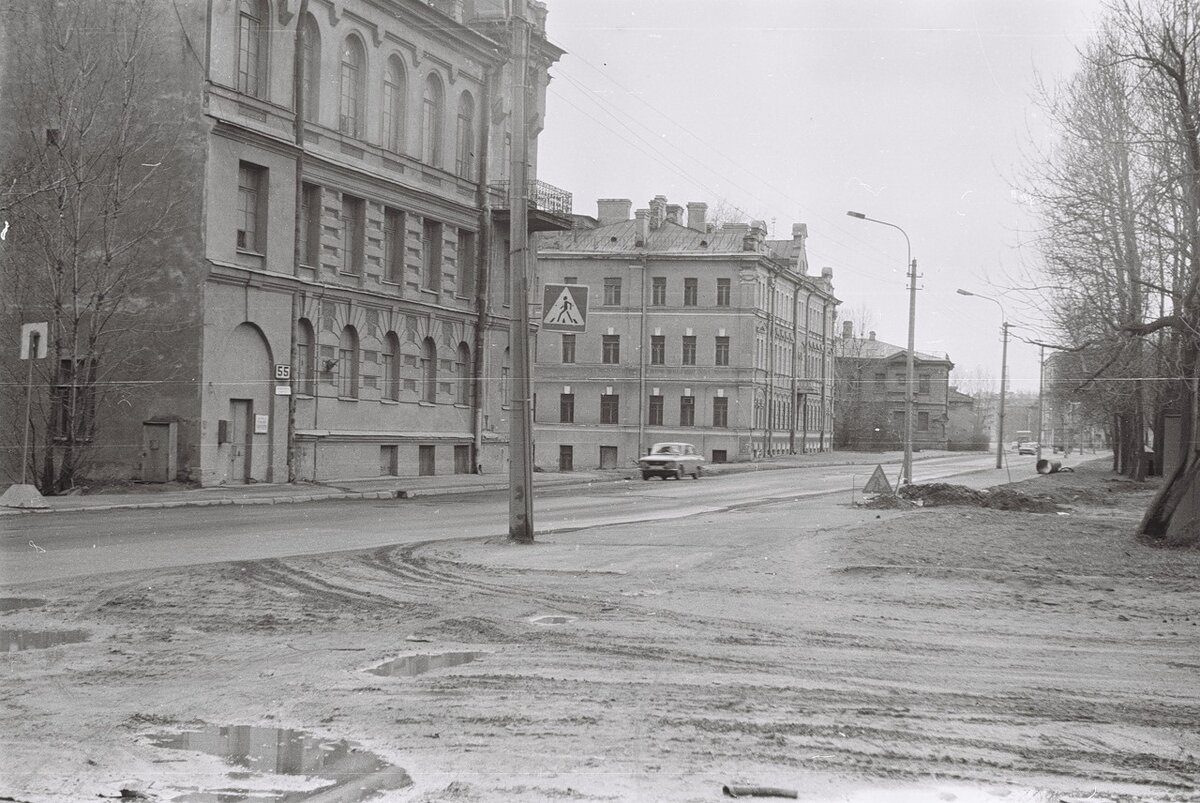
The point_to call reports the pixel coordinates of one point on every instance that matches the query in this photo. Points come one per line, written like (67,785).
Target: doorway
(425,461)
(566,458)
(462,459)
(241,424)
(158,447)
(608,457)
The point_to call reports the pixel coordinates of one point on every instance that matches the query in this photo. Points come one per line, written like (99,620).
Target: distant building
(966,424)
(337,277)
(872,380)
(717,337)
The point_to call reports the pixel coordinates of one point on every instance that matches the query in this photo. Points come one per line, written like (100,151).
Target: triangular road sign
(565,307)
(878,484)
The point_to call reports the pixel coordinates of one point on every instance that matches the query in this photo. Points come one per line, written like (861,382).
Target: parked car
(1027,447)
(671,460)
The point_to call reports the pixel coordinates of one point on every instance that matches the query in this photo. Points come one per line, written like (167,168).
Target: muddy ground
(939,653)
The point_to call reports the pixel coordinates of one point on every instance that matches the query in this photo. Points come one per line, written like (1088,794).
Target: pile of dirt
(887,502)
(941,494)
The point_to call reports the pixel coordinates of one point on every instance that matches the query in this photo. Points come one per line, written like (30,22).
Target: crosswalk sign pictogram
(878,484)
(564,307)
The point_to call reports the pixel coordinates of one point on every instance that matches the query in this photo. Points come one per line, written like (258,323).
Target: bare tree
(89,210)
(1120,196)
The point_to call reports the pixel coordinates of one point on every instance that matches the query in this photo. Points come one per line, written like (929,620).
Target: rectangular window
(566,408)
(722,355)
(923,383)
(690,292)
(880,379)
(466,263)
(570,280)
(611,350)
(353,233)
(610,408)
(687,411)
(506,279)
(722,292)
(900,379)
(689,349)
(658,291)
(252,208)
(431,255)
(612,291)
(347,374)
(720,412)
(922,422)
(658,350)
(394,227)
(310,225)
(568,349)
(655,415)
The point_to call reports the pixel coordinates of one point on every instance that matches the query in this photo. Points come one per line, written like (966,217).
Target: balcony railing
(542,197)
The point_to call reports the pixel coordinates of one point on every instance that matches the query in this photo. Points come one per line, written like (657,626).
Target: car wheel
(696,473)
(645,475)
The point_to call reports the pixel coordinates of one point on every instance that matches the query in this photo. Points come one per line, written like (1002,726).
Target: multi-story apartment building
(339,268)
(715,336)
(872,380)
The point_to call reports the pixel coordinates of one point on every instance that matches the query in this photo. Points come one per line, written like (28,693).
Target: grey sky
(916,112)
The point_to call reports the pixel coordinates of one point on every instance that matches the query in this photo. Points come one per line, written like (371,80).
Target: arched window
(310,75)
(347,364)
(462,369)
(464,163)
(395,92)
(252,48)
(391,367)
(306,357)
(431,121)
(354,69)
(428,370)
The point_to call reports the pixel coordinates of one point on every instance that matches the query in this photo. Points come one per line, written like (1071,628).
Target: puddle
(15,640)
(410,666)
(19,603)
(336,770)
(552,620)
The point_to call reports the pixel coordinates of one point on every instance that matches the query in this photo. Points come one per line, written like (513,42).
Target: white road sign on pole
(564,307)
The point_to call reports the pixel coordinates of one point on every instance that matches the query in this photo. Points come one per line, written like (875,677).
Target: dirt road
(939,653)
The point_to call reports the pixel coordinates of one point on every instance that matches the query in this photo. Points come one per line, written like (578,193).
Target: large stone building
(871,382)
(718,337)
(340,216)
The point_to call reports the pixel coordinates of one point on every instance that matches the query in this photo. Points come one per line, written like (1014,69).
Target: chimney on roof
(658,211)
(799,235)
(870,335)
(643,228)
(675,214)
(847,329)
(613,210)
(697,211)
(827,275)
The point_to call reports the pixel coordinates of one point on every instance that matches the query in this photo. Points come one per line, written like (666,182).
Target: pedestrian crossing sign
(564,307)
(878,484)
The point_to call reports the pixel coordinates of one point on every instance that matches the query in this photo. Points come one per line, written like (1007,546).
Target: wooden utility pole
(520,436)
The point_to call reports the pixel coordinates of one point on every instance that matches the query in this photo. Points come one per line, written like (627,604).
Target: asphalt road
(43,548)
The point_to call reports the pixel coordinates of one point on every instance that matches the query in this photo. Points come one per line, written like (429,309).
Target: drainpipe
(642,369)
(769,403)
(795,351)
(807,335)
(298,108)
(483,271)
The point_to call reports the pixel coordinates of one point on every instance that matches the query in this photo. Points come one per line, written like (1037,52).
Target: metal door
(156,452)
(241,423)
(566,458)
(462,459)
(608,457)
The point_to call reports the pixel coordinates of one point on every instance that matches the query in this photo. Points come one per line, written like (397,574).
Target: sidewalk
(150,497)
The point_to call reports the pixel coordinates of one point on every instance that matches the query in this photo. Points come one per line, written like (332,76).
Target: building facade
(871,389)
(342,274)
(717,337)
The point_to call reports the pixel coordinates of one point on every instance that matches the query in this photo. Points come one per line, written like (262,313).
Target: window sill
(428,291)
(389,401)
(424,403)
(350,274)
(347,398)
(246,252)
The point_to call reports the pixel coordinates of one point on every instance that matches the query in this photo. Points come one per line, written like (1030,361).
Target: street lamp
(1003,372)
(906,470)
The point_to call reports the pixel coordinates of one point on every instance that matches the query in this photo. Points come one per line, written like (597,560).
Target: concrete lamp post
(906,471)
(1003,372)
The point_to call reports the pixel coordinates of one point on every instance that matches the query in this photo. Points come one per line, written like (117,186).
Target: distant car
(671,460)
(1027,447)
